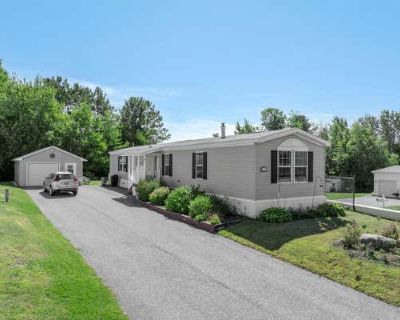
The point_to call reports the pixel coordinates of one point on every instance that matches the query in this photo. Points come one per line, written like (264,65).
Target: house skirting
(252,208)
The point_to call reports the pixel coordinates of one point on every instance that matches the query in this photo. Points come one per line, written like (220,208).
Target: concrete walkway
(163,269)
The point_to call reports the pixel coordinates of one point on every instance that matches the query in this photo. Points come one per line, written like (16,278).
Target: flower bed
(187,204)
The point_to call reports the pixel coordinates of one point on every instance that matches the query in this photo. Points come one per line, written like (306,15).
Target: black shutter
(170,164)
(162,164)
(310,166)
(119,159)
(126,164)
(274,166)
(205,165)
(194,165)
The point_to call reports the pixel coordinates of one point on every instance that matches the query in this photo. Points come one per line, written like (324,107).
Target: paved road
(163,269)
(372,202)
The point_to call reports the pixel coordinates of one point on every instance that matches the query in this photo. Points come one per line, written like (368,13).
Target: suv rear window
(65,176)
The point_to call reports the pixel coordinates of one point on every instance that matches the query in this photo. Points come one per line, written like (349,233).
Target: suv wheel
(51,192)
(44,188)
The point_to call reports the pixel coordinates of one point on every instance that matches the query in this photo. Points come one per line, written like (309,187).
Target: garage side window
(123,163)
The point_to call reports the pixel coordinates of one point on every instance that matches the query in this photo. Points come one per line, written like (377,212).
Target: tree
(247,127)
(141,123)
(297,120)
(339,135)
(371,121)
(390,129)
(273,119)
(366,152)
(71,96)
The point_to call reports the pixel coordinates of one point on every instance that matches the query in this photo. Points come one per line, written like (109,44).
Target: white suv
(61,182)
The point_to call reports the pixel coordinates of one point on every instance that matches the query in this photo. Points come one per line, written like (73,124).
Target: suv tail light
(57,178)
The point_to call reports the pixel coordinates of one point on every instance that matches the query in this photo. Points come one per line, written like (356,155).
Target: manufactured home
(254,171)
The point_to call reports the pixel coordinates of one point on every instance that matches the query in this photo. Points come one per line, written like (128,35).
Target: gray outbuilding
(31,169)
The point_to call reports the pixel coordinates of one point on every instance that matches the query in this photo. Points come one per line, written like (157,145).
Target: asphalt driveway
(372,201)
(163,269)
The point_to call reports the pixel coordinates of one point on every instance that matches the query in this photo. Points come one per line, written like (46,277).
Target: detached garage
(31,169)
(387,182)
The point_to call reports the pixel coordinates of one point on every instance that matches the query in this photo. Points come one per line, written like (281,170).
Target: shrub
(159,195)
(214,219)
(200,217)
(332,210)
(145,187)
(179,199)
(391,231)
(221,206)
(201,205)
(351,236)
(275,214)
(301,213)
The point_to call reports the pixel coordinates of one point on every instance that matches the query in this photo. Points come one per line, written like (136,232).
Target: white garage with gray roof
(31,169)
(387,181)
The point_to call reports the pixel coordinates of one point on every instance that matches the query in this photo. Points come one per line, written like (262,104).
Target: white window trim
(198,165)
(292,166)
(70,163)
(126,164)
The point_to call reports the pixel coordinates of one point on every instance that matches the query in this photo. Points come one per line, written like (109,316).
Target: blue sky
(203,62)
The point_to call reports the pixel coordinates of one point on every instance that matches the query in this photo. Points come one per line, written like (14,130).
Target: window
(199,165)
(123,164)
(166,164)
(135,162)
(300,166)
(155,163)
(70,167)
(141,161)
(285,166)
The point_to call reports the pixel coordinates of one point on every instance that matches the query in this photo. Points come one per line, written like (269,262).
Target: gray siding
(44,156)
(230,171)
(114,167)
(17,173)
(266,190)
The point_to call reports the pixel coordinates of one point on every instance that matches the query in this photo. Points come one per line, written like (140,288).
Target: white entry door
(37,172)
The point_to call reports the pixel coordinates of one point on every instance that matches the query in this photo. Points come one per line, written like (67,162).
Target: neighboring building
(31,169)
(255,171)
(387,181)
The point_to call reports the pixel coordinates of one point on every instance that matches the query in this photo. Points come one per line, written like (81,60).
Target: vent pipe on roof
(222,130)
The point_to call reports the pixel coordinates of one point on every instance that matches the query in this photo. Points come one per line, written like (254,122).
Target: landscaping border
(188,220)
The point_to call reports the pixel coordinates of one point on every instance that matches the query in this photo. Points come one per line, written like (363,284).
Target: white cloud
(118,95)
(196,129)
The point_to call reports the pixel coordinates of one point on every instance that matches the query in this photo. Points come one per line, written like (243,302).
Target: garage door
(36,172)
(387,187)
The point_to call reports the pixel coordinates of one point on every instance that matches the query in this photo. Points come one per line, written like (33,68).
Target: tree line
(76,118)
(370,143)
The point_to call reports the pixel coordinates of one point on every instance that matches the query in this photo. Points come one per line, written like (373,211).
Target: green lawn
(41,275)
(393,208)
(343,195)
(96,183)
(309,244)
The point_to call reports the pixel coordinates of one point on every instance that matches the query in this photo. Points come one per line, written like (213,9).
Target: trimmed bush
(200,217)
(179,199)
(275,214)
(221,206)
(201,205)
(329,210)
(214,219)
(145,187)
(159,195)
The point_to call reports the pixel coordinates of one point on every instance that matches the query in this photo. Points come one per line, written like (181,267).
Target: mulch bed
(188,220)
